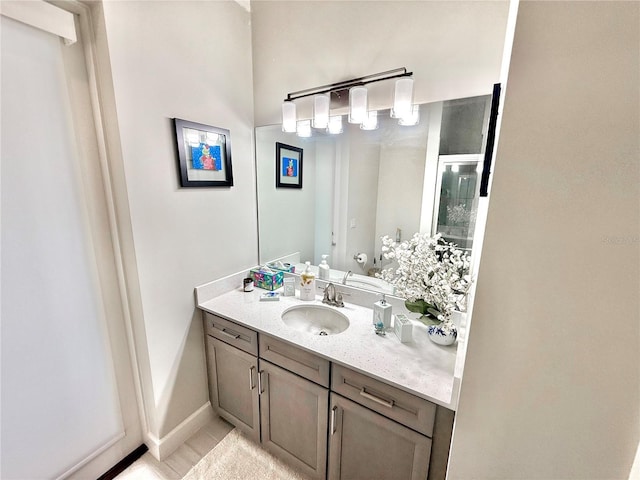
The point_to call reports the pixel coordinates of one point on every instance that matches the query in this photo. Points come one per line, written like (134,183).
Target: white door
(69,404)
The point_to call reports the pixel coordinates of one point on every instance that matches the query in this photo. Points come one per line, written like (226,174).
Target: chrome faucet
(332,296)
(329,294)
(346,275)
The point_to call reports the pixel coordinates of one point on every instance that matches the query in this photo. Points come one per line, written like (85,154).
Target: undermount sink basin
(315,319)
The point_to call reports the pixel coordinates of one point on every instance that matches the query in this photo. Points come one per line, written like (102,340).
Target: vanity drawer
(232,333)
(295,360)
(412,411)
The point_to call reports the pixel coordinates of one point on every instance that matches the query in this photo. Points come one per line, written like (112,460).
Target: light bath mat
(237,458)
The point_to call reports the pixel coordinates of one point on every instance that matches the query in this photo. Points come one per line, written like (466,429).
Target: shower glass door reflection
(456,204)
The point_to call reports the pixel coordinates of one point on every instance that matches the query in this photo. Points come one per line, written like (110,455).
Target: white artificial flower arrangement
(431,274)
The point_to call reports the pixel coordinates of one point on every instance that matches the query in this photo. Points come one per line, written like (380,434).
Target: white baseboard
(161,448)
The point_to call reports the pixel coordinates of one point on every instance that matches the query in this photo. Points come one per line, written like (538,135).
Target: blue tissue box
(267,280)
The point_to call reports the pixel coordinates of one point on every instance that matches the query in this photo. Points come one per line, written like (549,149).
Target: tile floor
(180,462)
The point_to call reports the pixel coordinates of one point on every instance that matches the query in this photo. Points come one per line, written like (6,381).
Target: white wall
(551,384)
(190,60)
(453,48)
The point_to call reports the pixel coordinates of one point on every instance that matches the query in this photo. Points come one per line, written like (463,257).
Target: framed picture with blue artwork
(204,155)
(288,166)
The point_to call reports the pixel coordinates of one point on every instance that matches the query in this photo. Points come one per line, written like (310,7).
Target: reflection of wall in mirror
(285,215)
(402,170)
(324,202)
(381,189)
(360,198)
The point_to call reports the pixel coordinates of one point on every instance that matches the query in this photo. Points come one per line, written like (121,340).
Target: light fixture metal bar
(334,87)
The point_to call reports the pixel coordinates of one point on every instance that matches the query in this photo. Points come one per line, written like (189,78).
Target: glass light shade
(289,117)
(335,124)
(304,128)
(412,119)
(358,104)
(371,122)
(402,98)
(321,110)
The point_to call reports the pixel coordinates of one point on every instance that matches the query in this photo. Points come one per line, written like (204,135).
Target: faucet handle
(327,286)
(326,299)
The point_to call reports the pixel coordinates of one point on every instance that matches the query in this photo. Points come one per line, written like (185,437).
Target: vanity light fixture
(321,104)
(193,138)
(402,98)
(289,117)
(371,121)
(412,119)
(335,124)
(212,138)
(356,92)
(304,128)
(358,104)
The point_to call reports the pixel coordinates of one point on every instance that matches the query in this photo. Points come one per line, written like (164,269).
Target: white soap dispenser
(307,283)
(382,312)
(323,269)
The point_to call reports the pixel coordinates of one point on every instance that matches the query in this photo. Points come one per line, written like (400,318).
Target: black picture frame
(204,154)
(288,166)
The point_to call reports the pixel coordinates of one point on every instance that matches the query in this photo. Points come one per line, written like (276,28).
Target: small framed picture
(288,166)
(204,155)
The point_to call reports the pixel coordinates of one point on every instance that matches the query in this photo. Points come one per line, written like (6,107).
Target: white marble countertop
(420,367)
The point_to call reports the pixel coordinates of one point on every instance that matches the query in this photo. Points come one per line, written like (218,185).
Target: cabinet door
(364,445)
(294,414)
(233,388)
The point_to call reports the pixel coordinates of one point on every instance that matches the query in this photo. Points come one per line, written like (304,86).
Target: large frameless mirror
(360,185)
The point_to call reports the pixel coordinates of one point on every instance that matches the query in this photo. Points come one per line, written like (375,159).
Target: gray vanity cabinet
(233,376)
(280,400)
(365,445)
(294,419)
(290,400)
(232,368)
(376,427)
